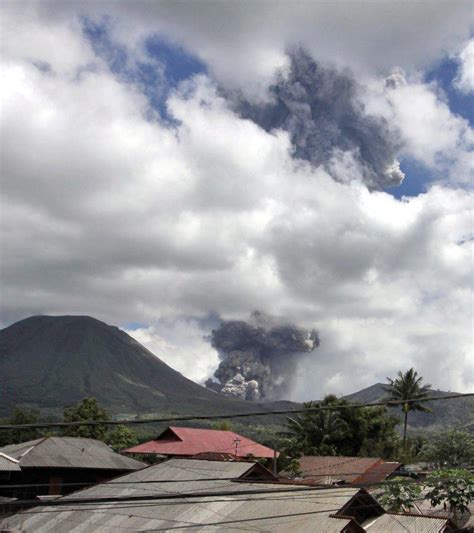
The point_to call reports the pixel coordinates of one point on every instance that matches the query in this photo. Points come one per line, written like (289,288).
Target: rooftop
(329,470)
(285,512)
(8,464)
(392,522)
(193,441)
(68,452)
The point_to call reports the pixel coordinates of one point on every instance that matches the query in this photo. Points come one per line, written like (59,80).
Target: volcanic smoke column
(258,359)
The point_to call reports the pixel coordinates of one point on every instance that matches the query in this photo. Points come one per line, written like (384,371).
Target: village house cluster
(200,479)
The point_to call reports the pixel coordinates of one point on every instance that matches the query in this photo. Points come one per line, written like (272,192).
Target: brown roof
(378,472)
(330,470)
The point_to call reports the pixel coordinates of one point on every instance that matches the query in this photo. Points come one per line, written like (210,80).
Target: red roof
(194,441)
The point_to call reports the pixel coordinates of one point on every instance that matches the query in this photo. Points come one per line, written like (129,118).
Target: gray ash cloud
(320,108)
(258,357)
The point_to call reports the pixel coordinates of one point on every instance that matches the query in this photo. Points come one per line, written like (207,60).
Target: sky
(169,165)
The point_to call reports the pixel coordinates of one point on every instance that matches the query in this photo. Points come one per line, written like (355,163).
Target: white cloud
(431,133)
(465,79)
(109,213)
(25,37)
(181,344)
(243,43)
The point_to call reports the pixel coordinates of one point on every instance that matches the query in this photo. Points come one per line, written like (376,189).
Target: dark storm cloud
(319,107)
(258,357)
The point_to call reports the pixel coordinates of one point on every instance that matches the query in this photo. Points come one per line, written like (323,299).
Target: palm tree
(317,431)
(407,386)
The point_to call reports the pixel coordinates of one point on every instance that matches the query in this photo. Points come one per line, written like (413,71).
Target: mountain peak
(52,361)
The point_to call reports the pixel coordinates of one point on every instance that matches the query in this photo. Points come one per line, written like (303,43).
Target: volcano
(49,362)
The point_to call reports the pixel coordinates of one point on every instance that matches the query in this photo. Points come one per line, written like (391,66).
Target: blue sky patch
(162,68)
(417,179)
(444,74)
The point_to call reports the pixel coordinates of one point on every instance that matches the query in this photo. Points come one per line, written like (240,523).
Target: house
(7,466)
(340,470)
(58,465)
(398,522)
(191,442)
(223,496)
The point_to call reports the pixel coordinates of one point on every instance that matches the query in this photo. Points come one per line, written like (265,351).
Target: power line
(226,522)
(316,408)
(286,489)
(170,496)
(281,480)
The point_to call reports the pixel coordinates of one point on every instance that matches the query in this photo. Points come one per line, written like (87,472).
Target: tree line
(119,438)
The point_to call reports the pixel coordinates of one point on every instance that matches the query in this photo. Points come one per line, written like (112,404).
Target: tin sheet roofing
(8,464)
(69,452)
(282,512)
(395,523)
(194,441)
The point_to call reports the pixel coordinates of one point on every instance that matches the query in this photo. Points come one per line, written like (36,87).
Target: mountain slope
(458,412)
(49,362)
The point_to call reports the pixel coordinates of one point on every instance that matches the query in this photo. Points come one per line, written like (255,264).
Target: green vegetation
(405,387)
(20,416)
(87,410)
(121,438)
(452,449)
(354,432)
(453,489)
(400,494)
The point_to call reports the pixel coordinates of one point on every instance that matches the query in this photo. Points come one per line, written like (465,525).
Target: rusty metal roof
(194,441)
(330,470)
(69,452)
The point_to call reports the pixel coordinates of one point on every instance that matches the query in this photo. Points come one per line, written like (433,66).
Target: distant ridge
(49,362)
(458,412)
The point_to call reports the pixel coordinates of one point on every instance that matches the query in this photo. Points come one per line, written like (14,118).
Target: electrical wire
(280,480)
(316,408)
(283,488)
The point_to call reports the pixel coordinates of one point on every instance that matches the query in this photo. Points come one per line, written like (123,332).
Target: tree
(87,410)
(361,431)
(454,489)
(454,448)
(20,416)
(407,386)
(399,494)
(222,425)
(121,438)
(319,432)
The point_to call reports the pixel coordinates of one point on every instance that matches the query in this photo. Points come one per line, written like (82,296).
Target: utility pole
(275,469)
(236,442)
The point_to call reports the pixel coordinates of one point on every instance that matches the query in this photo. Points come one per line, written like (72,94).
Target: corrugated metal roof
(69,452)
(396,523)
(193,441)
(376,473)
(226,513)
(8,464)
(329,470)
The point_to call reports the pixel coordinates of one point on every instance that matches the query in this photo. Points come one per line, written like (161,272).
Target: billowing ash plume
(258,358)
(320,109)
